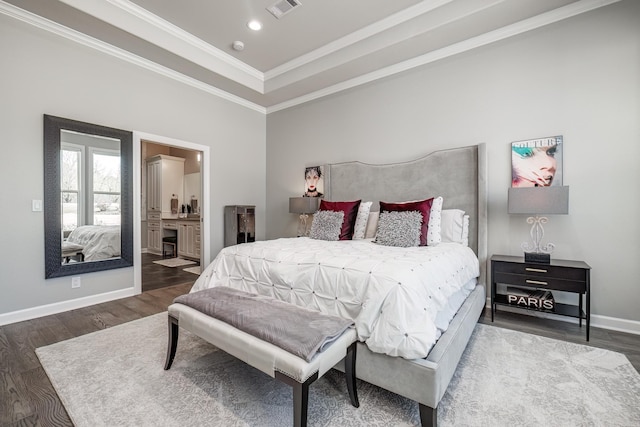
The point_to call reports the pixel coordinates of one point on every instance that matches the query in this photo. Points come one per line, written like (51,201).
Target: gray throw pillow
(326,225)
(399,228)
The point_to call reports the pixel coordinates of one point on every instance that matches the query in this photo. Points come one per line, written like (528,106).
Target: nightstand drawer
(542,282)
(542,270)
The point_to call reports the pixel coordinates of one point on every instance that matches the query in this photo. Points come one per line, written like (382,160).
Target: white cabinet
(189,239)
(154,236)
(165,178)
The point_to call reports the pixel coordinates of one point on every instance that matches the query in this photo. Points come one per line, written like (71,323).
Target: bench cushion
(260,354)
(298,330)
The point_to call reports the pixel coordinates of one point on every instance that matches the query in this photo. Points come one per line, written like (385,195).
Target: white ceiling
(319,48)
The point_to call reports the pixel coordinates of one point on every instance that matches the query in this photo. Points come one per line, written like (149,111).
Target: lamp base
(537,257)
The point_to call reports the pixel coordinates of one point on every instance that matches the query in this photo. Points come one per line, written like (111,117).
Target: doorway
(171,214)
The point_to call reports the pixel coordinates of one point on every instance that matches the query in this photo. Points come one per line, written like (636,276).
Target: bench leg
(428,416)
(350,374)
(300,397)
(172,344)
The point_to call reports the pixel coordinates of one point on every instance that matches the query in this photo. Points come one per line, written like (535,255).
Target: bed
(404,345)
(98,242)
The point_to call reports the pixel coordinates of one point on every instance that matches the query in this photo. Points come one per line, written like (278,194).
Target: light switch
(36,205)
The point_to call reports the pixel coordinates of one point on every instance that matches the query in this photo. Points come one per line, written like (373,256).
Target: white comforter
(393,294)
(99,241)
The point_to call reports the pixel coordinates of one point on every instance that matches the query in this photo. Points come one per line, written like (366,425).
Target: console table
(558,275)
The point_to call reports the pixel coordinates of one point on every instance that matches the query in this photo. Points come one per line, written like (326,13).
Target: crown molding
(140,22)
(355,37)
(523,26)
(85,40)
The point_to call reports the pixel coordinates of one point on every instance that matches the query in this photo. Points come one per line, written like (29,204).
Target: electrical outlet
(75,282)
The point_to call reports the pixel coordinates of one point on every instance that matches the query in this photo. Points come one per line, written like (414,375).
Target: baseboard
(59,307)
(597,321)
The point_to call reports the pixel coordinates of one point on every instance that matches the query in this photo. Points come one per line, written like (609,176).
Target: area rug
(174,262)
(115,377)
(194,270)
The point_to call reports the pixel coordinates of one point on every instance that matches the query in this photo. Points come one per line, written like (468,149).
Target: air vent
(283,7)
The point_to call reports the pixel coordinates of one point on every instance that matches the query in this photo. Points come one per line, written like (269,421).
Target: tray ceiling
(319,48)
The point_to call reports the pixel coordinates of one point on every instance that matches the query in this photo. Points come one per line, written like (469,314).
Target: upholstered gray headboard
(458,175)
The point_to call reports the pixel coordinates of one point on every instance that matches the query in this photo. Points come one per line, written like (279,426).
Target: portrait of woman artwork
(313,182)
(537,162)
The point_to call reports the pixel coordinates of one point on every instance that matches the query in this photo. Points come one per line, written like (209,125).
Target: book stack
(533,298)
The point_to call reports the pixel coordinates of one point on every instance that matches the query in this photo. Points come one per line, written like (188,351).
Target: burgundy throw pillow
(422,206)
(350,210)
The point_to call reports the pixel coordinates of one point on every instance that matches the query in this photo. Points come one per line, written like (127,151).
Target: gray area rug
(115,377)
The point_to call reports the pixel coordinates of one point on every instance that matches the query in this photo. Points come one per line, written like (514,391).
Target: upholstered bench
(202,313)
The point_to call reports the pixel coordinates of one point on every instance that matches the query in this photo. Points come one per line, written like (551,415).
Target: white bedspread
(99,241)
(393,294)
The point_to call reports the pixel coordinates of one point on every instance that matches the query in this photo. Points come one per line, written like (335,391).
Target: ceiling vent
(283,7)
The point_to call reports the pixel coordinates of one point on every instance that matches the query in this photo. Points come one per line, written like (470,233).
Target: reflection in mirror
(88,204)
(90,193)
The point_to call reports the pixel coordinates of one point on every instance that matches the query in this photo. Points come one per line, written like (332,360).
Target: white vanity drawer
(153,216)
(171,225)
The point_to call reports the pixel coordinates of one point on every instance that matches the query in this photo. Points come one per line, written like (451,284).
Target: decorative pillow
(361,220)
(465,230)
(327,225)
(422,206)
(350,210)
(399,228)
(452,224)
(372,225)
(434,232)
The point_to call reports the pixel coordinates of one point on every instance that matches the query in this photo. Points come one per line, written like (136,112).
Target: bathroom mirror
(88,197)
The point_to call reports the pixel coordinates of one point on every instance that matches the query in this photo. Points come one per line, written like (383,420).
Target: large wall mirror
(88,197)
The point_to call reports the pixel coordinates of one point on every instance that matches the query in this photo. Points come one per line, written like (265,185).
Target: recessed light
(254,25)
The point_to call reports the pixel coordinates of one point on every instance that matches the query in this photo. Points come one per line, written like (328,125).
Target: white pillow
(435,220)
(361,220)
(453,226)
(372,225)
(465,231)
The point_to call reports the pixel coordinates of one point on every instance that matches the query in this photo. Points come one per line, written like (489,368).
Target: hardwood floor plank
(30,421)
(44,399)
(13,404)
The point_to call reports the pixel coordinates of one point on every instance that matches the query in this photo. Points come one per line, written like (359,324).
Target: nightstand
(559,275)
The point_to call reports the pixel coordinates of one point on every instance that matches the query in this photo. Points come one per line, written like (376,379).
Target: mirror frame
(52,205)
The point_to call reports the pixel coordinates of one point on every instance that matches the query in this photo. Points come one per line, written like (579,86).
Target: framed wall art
(537,162)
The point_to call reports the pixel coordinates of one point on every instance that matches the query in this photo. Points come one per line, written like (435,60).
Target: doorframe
(205,216)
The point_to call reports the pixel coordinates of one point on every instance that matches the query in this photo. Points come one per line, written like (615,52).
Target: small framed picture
(313,182)
(537,162)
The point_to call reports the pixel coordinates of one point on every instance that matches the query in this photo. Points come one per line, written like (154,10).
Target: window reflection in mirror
(90,193)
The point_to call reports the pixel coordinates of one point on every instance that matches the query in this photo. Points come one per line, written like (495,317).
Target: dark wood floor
(156,276)
(27,397)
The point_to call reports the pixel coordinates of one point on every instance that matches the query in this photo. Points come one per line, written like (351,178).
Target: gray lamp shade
(304,205)
(539,200)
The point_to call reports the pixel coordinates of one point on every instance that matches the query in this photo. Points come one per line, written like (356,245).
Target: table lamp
(303,206)
(538,201)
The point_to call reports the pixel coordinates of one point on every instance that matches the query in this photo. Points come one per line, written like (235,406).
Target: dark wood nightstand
(559,275)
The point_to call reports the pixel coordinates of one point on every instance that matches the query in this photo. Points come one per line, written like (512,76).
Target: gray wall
(45,74)
(578,78)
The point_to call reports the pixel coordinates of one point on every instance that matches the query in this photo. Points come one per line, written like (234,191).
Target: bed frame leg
(173,341)
(428,416)
(350,373)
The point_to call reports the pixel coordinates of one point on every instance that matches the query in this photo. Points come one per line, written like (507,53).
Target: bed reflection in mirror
(90,194)
(88,188)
